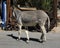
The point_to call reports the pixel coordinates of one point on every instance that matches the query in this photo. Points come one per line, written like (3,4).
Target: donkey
(31,18)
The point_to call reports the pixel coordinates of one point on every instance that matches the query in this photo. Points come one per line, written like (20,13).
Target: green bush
(40,4)
(46,4)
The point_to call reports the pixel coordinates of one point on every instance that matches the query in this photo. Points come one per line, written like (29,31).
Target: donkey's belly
(33,23)
(29,21)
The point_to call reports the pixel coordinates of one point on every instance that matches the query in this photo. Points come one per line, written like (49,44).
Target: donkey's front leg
(27,36)
(43,36)
(19,32)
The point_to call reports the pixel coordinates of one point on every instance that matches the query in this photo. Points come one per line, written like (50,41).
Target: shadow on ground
(24,39)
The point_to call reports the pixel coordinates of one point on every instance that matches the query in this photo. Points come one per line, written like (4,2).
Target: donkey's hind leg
(43,36)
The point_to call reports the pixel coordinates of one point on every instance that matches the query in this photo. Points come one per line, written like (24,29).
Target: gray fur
(31,18)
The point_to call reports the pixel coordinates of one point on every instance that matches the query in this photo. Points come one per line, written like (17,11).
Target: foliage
(40,4)
(46,4)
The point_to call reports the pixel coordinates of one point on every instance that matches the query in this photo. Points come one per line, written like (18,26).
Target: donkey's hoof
(44,40)
(17,39)
(27,41)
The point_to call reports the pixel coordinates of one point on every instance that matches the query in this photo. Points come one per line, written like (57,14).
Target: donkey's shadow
(24,39)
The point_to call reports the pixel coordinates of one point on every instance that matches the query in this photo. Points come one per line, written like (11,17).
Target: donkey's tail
(48,22)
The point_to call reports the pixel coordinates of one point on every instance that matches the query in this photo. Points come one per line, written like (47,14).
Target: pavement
(8,40)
